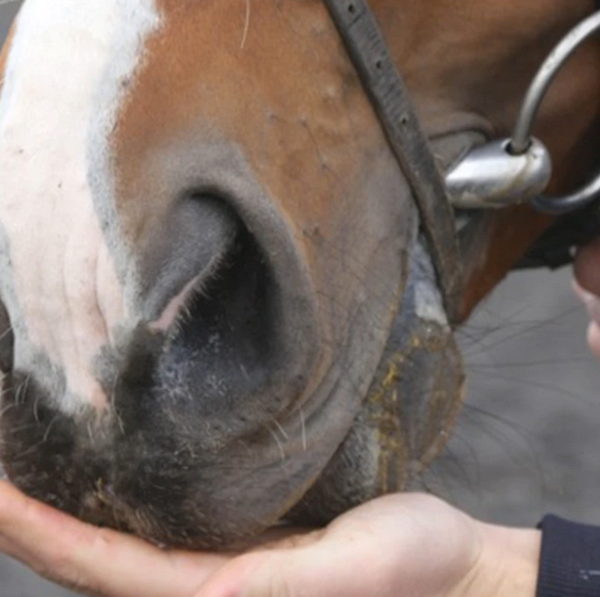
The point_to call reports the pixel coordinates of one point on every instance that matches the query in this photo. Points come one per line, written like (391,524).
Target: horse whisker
(279,444)
(246,25)
(281,430)
(303,423)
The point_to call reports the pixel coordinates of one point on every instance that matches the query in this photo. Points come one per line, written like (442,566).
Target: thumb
(323,571)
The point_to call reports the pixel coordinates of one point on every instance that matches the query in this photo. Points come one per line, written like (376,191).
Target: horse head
(219,311)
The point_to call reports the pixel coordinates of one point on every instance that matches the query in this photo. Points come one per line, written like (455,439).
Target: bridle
(497,174)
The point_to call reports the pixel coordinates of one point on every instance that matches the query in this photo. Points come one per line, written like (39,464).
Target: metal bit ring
(521,139)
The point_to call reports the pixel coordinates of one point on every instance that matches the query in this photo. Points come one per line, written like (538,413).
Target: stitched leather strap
(388,94)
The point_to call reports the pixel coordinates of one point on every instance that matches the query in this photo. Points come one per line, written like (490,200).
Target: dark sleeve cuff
(570,559)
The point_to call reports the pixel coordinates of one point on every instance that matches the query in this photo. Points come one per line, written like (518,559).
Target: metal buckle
(519,169)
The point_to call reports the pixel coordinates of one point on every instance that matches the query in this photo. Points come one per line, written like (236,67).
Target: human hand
(393,546)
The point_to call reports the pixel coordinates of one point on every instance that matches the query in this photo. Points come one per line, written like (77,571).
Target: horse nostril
(225,334)
(183,251)
(213,330)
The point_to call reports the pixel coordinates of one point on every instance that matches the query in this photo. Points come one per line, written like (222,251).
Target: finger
(593,338)
(587,267)
(592,304)
(92,560)
(324,569)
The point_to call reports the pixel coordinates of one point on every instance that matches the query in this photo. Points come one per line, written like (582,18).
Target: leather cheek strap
(389,96)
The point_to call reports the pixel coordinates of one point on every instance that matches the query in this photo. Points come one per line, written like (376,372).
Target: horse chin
(408,413)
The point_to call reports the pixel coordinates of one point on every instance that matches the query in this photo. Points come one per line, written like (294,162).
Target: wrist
(507,566)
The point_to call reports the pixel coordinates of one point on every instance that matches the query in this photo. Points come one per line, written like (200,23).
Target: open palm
(393,546)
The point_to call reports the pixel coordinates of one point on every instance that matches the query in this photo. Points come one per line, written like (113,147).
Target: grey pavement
(528,440)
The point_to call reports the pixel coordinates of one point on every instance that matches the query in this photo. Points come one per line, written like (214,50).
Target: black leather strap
(388,94)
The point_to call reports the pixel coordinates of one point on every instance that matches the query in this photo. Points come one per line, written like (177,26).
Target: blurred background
(528,439)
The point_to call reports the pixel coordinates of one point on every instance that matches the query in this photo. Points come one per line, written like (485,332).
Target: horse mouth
(228,422)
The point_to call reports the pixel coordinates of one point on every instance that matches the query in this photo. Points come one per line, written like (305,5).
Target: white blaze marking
(64,83)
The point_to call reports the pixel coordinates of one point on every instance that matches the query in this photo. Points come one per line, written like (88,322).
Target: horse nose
(223,343)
